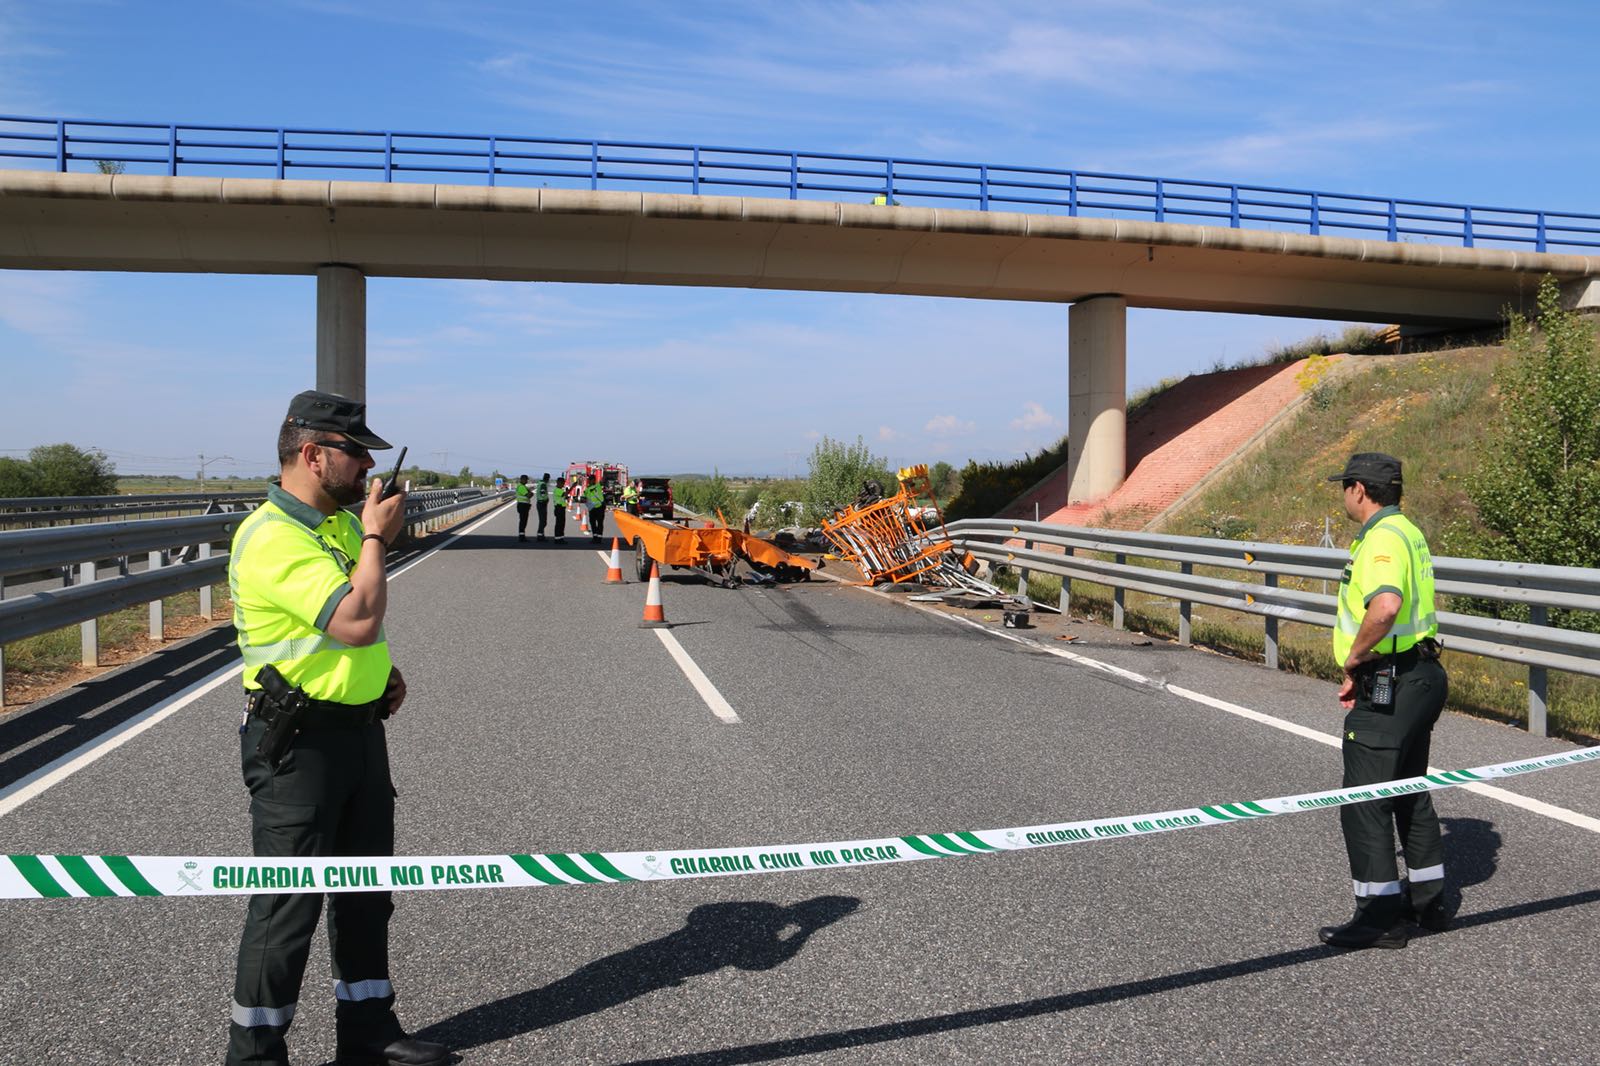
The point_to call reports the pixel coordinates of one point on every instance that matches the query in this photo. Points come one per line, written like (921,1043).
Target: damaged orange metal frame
(889,539)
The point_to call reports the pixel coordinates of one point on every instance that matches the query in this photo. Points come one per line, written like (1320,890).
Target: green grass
(62,649)
(1479,686)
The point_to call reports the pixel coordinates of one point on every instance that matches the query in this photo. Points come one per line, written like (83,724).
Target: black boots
(1357,933)
(403,1052)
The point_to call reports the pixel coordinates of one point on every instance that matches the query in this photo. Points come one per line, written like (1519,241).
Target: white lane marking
(26,788)
(697,677)
(1577,819)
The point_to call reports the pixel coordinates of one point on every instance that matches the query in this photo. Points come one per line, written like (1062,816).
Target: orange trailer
(712,550)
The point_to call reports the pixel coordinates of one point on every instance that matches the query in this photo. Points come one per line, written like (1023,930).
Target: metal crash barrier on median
(179,554)
(1081,553)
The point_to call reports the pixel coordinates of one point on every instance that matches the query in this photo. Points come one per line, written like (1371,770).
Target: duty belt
(325,714)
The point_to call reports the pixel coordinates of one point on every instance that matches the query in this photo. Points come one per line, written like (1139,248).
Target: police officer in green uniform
(594,497)
(541,502)
(309,593)
(524,505)
(1394,689)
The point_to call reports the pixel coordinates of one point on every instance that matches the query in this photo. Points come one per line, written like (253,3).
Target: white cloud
(885,433)
(1034,416)
(812,434)
(950,426)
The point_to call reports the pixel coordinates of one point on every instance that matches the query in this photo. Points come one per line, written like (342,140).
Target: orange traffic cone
(654,616)
(614,569)
(583,519)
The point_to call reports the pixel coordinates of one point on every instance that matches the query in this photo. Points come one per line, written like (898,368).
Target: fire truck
(613,476)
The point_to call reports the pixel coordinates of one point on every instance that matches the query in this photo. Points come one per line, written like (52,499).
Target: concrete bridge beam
(342,331)
(1097,386)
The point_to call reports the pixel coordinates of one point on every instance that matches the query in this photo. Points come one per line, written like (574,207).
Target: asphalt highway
(541,718)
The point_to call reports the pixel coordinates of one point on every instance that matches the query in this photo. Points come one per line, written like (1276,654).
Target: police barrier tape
(77,876)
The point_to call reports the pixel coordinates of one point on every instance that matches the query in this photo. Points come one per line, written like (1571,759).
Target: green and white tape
(79,876)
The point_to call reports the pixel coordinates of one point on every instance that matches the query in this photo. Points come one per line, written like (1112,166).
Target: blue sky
(1464,102)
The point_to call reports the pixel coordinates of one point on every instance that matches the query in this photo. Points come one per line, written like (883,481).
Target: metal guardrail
(36,511)
(172,149)
(1535,644)
(180,553)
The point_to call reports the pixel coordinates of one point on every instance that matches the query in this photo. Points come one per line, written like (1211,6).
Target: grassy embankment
(1428,409)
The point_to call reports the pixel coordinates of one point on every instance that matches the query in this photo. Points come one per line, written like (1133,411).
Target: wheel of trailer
(641,559)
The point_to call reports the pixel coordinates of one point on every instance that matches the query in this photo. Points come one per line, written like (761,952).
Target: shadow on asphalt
(35,736)
(866,1036)
(751,936)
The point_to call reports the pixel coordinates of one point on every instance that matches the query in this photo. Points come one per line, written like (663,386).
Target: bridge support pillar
(342,331)
(1582,296)
(1097,390)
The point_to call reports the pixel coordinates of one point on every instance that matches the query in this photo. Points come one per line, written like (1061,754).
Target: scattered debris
(901,538)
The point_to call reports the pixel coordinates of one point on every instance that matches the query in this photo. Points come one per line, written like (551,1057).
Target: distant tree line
(58,470)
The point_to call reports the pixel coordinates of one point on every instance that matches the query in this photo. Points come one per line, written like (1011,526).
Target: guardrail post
(694,180)
(61,147)
(157,561)
(1022,573)
(89,630)
(388,157)
(1316,215)
(983,188)
(172,151)
(1466,228)
(1271,629)
(1117,595)
(205,590)
(1161,201)
(1185,612)
(282,150)
(1064,604)
(1394,223)
(491,162)
(1541,244)
(1538,683)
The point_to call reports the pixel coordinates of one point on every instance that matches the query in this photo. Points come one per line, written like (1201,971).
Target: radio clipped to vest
(283,707)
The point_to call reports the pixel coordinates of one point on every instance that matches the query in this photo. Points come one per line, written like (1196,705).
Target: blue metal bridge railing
(67,145)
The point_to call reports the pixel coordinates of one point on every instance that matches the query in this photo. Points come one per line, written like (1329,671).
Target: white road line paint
(702,684)
(697,677)
(26,788)
(1513,799)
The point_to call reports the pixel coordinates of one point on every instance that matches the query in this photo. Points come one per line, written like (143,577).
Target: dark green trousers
(331,795)
(1383,744)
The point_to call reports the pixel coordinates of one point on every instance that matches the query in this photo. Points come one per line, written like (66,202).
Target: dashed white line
(697,677)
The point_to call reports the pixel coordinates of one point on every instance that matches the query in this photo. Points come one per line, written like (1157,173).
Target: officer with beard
(310,593)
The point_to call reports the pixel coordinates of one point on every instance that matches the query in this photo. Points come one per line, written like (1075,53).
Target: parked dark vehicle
(655,496)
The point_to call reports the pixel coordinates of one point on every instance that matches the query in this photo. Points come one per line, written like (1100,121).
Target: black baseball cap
(1370,468)
(327,410)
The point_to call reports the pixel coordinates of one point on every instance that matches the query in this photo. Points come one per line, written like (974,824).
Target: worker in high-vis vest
(524,505)
(310,594)
(541,503)
(595,498)
(630,497)
(1385,640)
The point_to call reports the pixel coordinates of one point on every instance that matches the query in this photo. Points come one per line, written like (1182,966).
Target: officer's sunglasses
(349,447)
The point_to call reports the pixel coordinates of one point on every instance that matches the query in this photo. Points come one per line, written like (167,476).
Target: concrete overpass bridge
(763,219)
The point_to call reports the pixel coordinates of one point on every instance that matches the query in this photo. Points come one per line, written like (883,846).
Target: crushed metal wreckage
(902,538)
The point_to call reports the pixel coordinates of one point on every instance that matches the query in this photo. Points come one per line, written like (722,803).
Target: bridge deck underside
(207,225)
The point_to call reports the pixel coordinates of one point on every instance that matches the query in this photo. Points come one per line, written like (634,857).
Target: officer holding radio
(1394,689)
(310,594)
